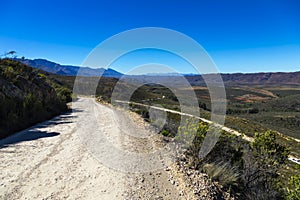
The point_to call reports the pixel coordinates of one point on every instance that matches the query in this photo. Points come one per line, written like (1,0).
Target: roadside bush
(262,161)
(293,189)
(64,94)
(251,170)
(165,133)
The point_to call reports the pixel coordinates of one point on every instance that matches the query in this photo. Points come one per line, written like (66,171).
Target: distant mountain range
(235,79)
(69,70)
(252,79)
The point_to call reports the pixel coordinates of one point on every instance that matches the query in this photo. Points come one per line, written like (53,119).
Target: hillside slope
(27,96)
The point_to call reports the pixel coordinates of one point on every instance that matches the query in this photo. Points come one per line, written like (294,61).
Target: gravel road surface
(54,159)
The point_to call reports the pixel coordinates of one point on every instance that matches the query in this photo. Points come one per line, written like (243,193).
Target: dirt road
(52,160)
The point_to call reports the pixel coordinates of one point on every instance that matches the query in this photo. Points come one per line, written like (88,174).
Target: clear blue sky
(240,36)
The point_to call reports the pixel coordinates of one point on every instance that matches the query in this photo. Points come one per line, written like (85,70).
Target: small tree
(11,54)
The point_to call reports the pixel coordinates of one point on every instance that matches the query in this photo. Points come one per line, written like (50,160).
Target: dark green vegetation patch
(28,96)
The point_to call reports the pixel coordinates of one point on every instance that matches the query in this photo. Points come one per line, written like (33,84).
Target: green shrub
(165,133)
(43,76)
(64,94)
(9,72)
(268,150)
(293,189)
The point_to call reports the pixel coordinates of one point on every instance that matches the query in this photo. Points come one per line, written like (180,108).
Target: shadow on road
(26,136)
(33,133)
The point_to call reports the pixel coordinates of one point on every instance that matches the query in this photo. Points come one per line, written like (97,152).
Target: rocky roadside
(177,181)
(195,184)
(189,183)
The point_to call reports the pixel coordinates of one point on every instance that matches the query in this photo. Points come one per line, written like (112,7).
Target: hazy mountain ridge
(69,70)
(271,78)
(234,79)
(240,79)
